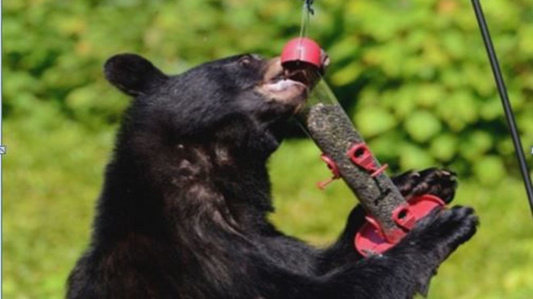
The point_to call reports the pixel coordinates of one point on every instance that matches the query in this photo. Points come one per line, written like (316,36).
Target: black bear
(183,210)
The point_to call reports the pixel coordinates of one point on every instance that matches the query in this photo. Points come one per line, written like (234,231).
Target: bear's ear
(133,74)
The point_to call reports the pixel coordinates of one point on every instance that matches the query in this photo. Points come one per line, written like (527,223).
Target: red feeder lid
(302,49)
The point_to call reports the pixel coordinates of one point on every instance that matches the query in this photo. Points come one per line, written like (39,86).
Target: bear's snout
(288,86)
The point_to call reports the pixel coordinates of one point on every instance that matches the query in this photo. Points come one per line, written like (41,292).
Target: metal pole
(505,99)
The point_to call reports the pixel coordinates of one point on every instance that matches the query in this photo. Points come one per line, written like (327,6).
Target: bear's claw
(439,182)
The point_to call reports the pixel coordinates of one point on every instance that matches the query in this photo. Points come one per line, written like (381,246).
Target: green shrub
(414,71)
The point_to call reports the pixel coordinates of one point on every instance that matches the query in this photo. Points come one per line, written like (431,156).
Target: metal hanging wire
(502,90)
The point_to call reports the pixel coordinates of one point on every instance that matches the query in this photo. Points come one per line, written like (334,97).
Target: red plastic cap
(302,49)
(371,239)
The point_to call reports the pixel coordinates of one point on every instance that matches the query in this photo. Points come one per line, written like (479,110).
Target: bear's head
(241,101)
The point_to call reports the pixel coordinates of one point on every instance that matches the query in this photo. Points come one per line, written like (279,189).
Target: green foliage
(53,173)
(373,121)
(419,66)
(422,126)
(413,75)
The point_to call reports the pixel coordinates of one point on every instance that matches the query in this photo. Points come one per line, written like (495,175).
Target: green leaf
(444,147)
(475,145)
(490,170)
(430,94)
(373,121)
(414,157)
(458,110)
(422,125)
(347,74)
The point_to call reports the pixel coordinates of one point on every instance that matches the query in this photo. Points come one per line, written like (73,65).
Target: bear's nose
(273,68)
(324,58)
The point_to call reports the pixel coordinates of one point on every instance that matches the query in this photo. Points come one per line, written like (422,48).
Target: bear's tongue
(300,73)
(282,84)
(287,78)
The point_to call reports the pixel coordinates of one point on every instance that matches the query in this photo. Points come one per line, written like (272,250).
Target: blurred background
(413,75)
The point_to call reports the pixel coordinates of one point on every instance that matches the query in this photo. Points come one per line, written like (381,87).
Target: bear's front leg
(400,273)
(439,182)
(407,268)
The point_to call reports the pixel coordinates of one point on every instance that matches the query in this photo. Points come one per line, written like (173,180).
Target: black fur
(183,211)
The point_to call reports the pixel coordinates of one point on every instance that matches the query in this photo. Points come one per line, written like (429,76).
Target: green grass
(52,176)
(53,173)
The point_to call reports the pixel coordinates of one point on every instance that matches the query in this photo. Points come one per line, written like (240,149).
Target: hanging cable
(309,6)
(505,99)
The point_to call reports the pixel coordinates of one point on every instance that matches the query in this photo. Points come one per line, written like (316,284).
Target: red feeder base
(371,239)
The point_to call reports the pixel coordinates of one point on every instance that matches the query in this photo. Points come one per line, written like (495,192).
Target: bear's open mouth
(281,79)
(287,78)
(304,74)
(280,84)
(289,84)
(283,88)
